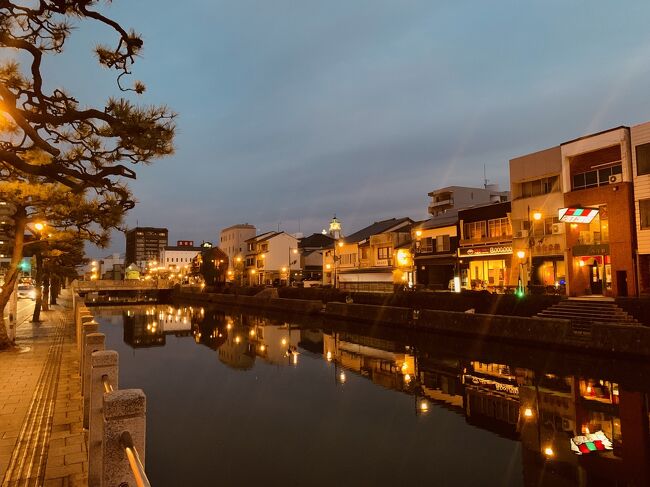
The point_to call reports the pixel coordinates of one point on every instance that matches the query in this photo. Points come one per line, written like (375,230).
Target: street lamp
(292,250)
(521,254)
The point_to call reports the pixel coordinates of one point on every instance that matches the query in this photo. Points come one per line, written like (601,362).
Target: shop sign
(481,251)
(585,250)
(589,443)
(577,215)
(491,384)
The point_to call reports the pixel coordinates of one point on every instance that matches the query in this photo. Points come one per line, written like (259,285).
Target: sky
(290,111)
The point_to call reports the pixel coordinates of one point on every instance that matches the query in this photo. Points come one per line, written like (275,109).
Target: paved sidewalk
(41,435)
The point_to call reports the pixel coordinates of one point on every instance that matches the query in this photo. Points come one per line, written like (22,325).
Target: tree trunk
(54,289)
(20,219)
(46,293)
(39,286)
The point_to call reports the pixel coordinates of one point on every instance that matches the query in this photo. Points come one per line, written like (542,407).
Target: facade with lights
(600,241)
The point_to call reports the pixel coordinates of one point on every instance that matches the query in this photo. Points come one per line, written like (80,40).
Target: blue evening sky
(290,111)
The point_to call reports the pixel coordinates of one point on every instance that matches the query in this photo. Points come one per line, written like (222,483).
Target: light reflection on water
(284,404)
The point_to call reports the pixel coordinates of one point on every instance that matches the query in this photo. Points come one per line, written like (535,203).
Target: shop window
(644,214)
(499,227)
(642,159)
(474,230)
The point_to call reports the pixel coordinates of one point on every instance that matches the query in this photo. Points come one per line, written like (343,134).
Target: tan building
(232,241)
(537,196)
(375,258)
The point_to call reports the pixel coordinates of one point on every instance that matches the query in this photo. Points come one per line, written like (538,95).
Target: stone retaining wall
(301,306)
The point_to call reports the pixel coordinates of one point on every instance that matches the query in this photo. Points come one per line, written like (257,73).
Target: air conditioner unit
(615,178)
(557,228)
(521,234)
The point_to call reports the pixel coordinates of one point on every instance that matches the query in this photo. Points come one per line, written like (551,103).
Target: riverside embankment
(607,338)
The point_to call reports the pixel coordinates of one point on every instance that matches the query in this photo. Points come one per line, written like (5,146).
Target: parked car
(26,291)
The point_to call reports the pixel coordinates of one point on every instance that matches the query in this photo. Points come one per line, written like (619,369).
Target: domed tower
(335,228)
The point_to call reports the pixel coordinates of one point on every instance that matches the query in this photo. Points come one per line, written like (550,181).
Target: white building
(271,257)
(178,257)
(460,197)
(232,241)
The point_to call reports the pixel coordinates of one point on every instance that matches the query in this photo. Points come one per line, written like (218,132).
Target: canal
(246,400)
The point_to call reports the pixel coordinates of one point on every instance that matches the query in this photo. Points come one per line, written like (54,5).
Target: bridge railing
(107,284)
(115,419)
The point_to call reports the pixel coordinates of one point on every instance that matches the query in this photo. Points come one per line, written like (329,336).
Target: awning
(436,261)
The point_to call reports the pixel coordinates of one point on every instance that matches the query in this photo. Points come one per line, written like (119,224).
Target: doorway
(596,280)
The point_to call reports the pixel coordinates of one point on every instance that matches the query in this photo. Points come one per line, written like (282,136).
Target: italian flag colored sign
(592,442)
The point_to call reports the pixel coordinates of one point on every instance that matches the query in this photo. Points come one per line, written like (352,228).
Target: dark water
(243,400)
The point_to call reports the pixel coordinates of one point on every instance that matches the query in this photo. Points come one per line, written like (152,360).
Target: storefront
(485,268)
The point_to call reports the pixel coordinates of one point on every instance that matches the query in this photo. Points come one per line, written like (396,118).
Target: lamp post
(537,216)
(39,227)
(292,250)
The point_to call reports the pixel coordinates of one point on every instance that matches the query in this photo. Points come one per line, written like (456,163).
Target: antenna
(485,179)
(279,226)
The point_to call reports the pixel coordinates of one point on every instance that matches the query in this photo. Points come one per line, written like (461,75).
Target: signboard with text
(485,251)
(577,215)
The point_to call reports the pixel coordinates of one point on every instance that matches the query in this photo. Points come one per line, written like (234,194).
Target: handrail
(108,387)
(137,468)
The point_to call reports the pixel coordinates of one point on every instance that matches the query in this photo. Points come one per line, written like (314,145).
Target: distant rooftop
(377,228)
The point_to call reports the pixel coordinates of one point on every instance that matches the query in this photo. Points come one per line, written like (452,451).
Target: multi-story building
(6,237)
(485,247)
(435,251)
(458,197)
(640,139)
(375,258)
(180,256)
(272,258)
(232,241)
(597,181)
(538,236)
(144,244)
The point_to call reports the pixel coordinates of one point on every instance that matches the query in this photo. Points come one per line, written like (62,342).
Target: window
(597,177)
(349,259)
(499,227)
(540,186)
(383,253)
(442,243)
(364,253)
(644,214)
(475,230)
(642,159)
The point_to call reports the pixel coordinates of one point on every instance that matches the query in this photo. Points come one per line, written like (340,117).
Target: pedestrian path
(41,435)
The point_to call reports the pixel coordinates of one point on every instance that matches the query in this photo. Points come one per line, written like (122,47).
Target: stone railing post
(103,363)
(94,343)
(86,328)
(84,317)
(124,411)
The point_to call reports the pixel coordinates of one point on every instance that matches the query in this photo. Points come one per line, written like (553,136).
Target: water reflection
(542,409)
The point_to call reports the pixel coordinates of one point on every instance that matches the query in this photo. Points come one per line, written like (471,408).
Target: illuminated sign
(577,215)
(481,251)
(591,442)
(490,384)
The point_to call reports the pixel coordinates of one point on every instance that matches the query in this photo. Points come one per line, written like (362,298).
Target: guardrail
(114,418)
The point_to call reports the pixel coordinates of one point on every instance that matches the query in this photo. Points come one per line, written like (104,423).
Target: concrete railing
(114,419)
(126,285)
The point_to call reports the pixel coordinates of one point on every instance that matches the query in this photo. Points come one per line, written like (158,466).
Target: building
(232,241)
(597,181)
(272,259)
(640,140)
(375,258)
(179,257)
(311,256)
(436,251)
(6,237)
(538,236)
(209,265)
(458,197)
(485,247)
(110,267)
(144,244)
